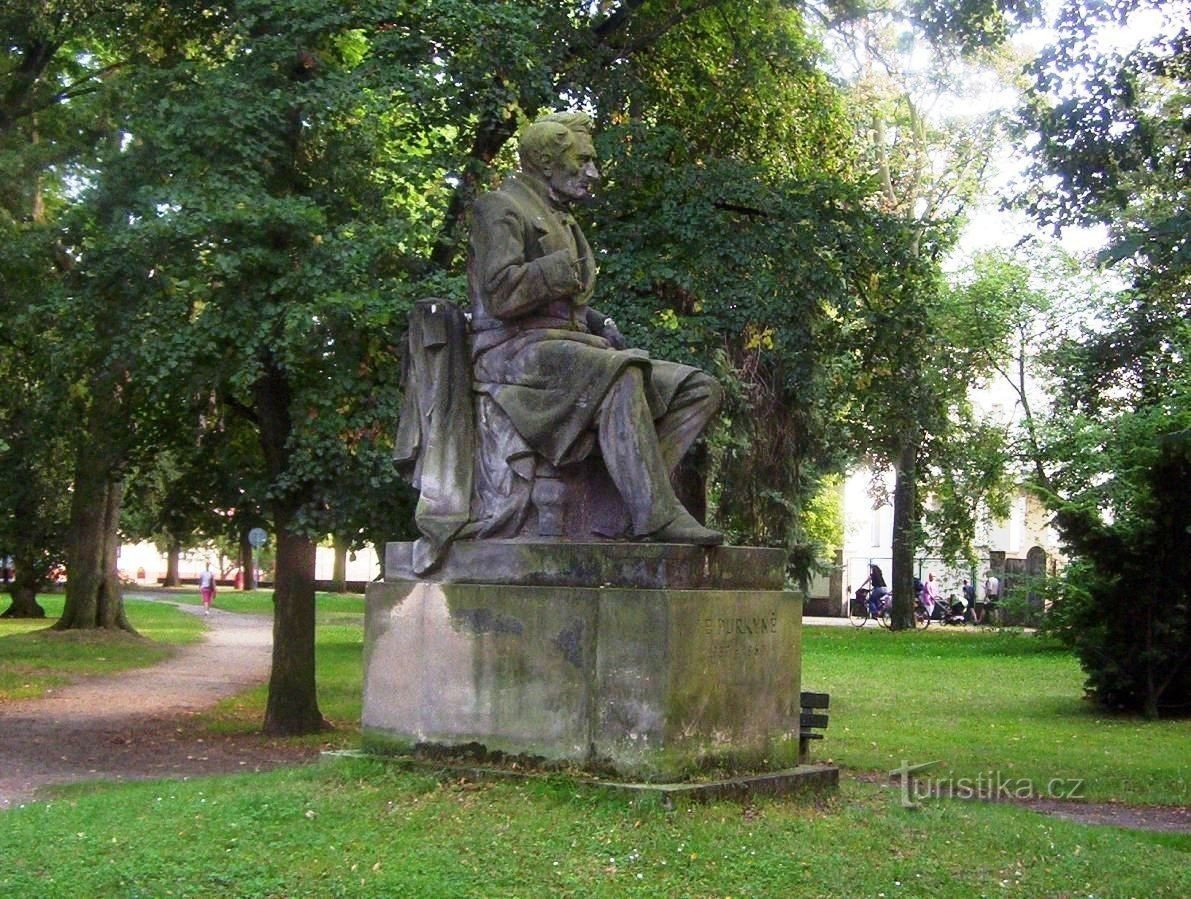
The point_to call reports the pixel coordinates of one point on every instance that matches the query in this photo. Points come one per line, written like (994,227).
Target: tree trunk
(24,595)
(292,707)
(905,500)
(94,597)
(247,562)
(339,572)
(32,570)
(172,554)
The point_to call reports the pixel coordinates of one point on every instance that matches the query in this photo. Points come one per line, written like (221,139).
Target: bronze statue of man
(558,370)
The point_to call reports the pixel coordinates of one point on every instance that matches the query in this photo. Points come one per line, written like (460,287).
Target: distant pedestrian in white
(207,588)
(992,592)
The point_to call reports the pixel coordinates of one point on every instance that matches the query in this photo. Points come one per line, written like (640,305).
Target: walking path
(138,724)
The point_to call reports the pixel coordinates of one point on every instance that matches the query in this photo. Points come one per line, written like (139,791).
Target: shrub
(1124,603)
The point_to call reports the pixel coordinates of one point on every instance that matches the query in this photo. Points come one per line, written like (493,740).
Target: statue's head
(558,149)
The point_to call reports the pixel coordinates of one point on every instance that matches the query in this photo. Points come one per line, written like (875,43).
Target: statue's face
(574,173)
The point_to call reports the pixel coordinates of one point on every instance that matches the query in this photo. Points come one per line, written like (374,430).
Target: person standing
(207,587)
(992,592)
(930,594)
(969,596)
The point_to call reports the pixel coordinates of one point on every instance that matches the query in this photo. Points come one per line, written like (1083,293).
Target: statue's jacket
(436,441)
(531,275)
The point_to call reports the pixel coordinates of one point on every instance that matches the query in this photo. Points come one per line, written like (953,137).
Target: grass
(978,702)
(1001,702)
(359,828)
(261,601)
(34,659)
(339,620)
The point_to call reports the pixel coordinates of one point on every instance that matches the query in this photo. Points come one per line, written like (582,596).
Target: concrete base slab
(801,781)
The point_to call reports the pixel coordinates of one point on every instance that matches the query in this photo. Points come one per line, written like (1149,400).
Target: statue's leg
(629,447)
(693,406)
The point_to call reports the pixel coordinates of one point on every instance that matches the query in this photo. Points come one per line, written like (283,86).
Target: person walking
(207,587)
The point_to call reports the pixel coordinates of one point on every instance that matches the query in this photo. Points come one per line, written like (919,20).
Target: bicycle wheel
(857,612)
(885,616)
(921,619)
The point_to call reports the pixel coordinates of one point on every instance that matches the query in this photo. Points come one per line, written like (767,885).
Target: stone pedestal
(651,662)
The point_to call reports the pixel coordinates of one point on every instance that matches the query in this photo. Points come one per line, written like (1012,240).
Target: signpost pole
(256,537)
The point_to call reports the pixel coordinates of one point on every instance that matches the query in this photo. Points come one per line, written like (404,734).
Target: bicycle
(861,610)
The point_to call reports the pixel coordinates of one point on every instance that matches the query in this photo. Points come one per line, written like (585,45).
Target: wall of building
(143,563)
(868,538)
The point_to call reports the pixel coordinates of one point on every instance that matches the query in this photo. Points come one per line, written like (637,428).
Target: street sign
(257,537)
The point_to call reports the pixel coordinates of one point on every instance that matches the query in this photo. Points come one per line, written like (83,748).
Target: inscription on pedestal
(739,636)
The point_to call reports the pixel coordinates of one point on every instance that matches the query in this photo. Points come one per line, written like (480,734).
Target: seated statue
(553,384)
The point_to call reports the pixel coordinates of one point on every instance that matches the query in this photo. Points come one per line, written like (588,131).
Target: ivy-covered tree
(734,222)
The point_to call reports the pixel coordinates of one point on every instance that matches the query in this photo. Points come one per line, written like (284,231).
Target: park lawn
(261,601)
(339,652)
(34,658)
(359,827)
(1003,705)
(352,827)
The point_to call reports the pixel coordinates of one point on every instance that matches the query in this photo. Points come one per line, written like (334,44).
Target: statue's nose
(592,173)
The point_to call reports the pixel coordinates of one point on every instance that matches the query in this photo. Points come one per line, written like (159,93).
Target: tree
(60,93)
(49,104)
(270,230)
(913,381)
(731,235)
(1124,605)
(1112,149)
(36,462)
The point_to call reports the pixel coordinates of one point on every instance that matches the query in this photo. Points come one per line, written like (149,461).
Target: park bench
(812,721)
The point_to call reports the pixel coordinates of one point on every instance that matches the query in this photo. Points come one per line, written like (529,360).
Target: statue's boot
(685,529)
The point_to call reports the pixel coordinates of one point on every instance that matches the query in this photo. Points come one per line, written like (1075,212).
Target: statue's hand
(612,334)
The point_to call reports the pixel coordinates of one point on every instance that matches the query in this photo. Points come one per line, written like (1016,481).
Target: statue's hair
(542,142)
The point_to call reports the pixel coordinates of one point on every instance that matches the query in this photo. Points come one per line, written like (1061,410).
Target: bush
(1124,603)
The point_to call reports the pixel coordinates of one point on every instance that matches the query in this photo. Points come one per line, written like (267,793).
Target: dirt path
(139,724)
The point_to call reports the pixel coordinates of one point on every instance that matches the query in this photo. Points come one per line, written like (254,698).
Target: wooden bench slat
(816,700)
(807,719)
